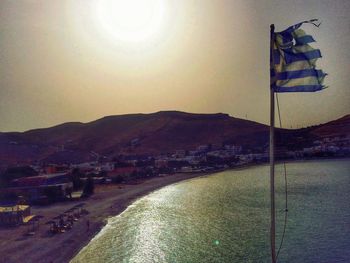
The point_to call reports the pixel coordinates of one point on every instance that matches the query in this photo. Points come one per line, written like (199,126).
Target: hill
(155,133)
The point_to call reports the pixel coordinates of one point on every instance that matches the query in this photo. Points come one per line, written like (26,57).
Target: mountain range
(151,134)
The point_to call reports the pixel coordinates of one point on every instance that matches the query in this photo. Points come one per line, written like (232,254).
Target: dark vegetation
(89,187)
(13,173)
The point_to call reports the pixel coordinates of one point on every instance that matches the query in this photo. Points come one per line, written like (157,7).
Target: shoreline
(108,201)
(121,208)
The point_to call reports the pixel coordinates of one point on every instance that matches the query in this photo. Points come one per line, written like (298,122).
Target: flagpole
(272,146)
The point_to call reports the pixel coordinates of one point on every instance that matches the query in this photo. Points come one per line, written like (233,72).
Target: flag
(294,61)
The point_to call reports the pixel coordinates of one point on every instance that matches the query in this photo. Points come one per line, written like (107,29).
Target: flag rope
(285,187)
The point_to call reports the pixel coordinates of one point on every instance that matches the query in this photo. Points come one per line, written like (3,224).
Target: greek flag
(294,61)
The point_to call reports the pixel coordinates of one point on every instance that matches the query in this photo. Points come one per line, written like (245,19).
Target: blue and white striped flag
(294,61)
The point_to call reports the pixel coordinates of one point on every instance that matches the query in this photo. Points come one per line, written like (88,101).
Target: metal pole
(272,149)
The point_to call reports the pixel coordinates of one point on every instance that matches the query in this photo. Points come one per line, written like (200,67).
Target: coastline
(108,201)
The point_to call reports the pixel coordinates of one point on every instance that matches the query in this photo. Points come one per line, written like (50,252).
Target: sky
(76,60)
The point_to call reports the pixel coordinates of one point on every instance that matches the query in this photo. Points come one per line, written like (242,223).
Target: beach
(108,200)
(225,217)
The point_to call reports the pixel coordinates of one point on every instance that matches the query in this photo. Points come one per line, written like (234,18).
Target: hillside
(337,127)
(155,133)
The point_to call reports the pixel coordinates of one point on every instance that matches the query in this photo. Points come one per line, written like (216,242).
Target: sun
(131,20)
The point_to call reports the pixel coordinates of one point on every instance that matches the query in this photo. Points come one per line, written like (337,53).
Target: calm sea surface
(225,218)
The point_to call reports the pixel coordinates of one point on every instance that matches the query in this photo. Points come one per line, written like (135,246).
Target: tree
(76,179)
(51,194)
(89,186)
(13,173)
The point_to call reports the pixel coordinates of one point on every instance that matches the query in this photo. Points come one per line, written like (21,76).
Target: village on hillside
(44,184)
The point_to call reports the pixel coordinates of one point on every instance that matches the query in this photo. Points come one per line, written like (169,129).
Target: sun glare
(131,20)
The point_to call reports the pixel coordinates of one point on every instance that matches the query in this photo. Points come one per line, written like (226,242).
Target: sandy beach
(108,200)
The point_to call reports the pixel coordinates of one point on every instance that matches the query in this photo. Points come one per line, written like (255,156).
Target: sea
(225,217)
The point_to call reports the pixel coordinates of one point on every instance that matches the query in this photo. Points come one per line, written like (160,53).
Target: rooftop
(6,209)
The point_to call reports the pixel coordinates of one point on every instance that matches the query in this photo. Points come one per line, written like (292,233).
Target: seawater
(225,217)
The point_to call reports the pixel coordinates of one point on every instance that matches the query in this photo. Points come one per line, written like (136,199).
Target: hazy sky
(59,63)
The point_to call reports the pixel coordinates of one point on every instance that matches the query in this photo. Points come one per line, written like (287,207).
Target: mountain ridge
(151,134)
